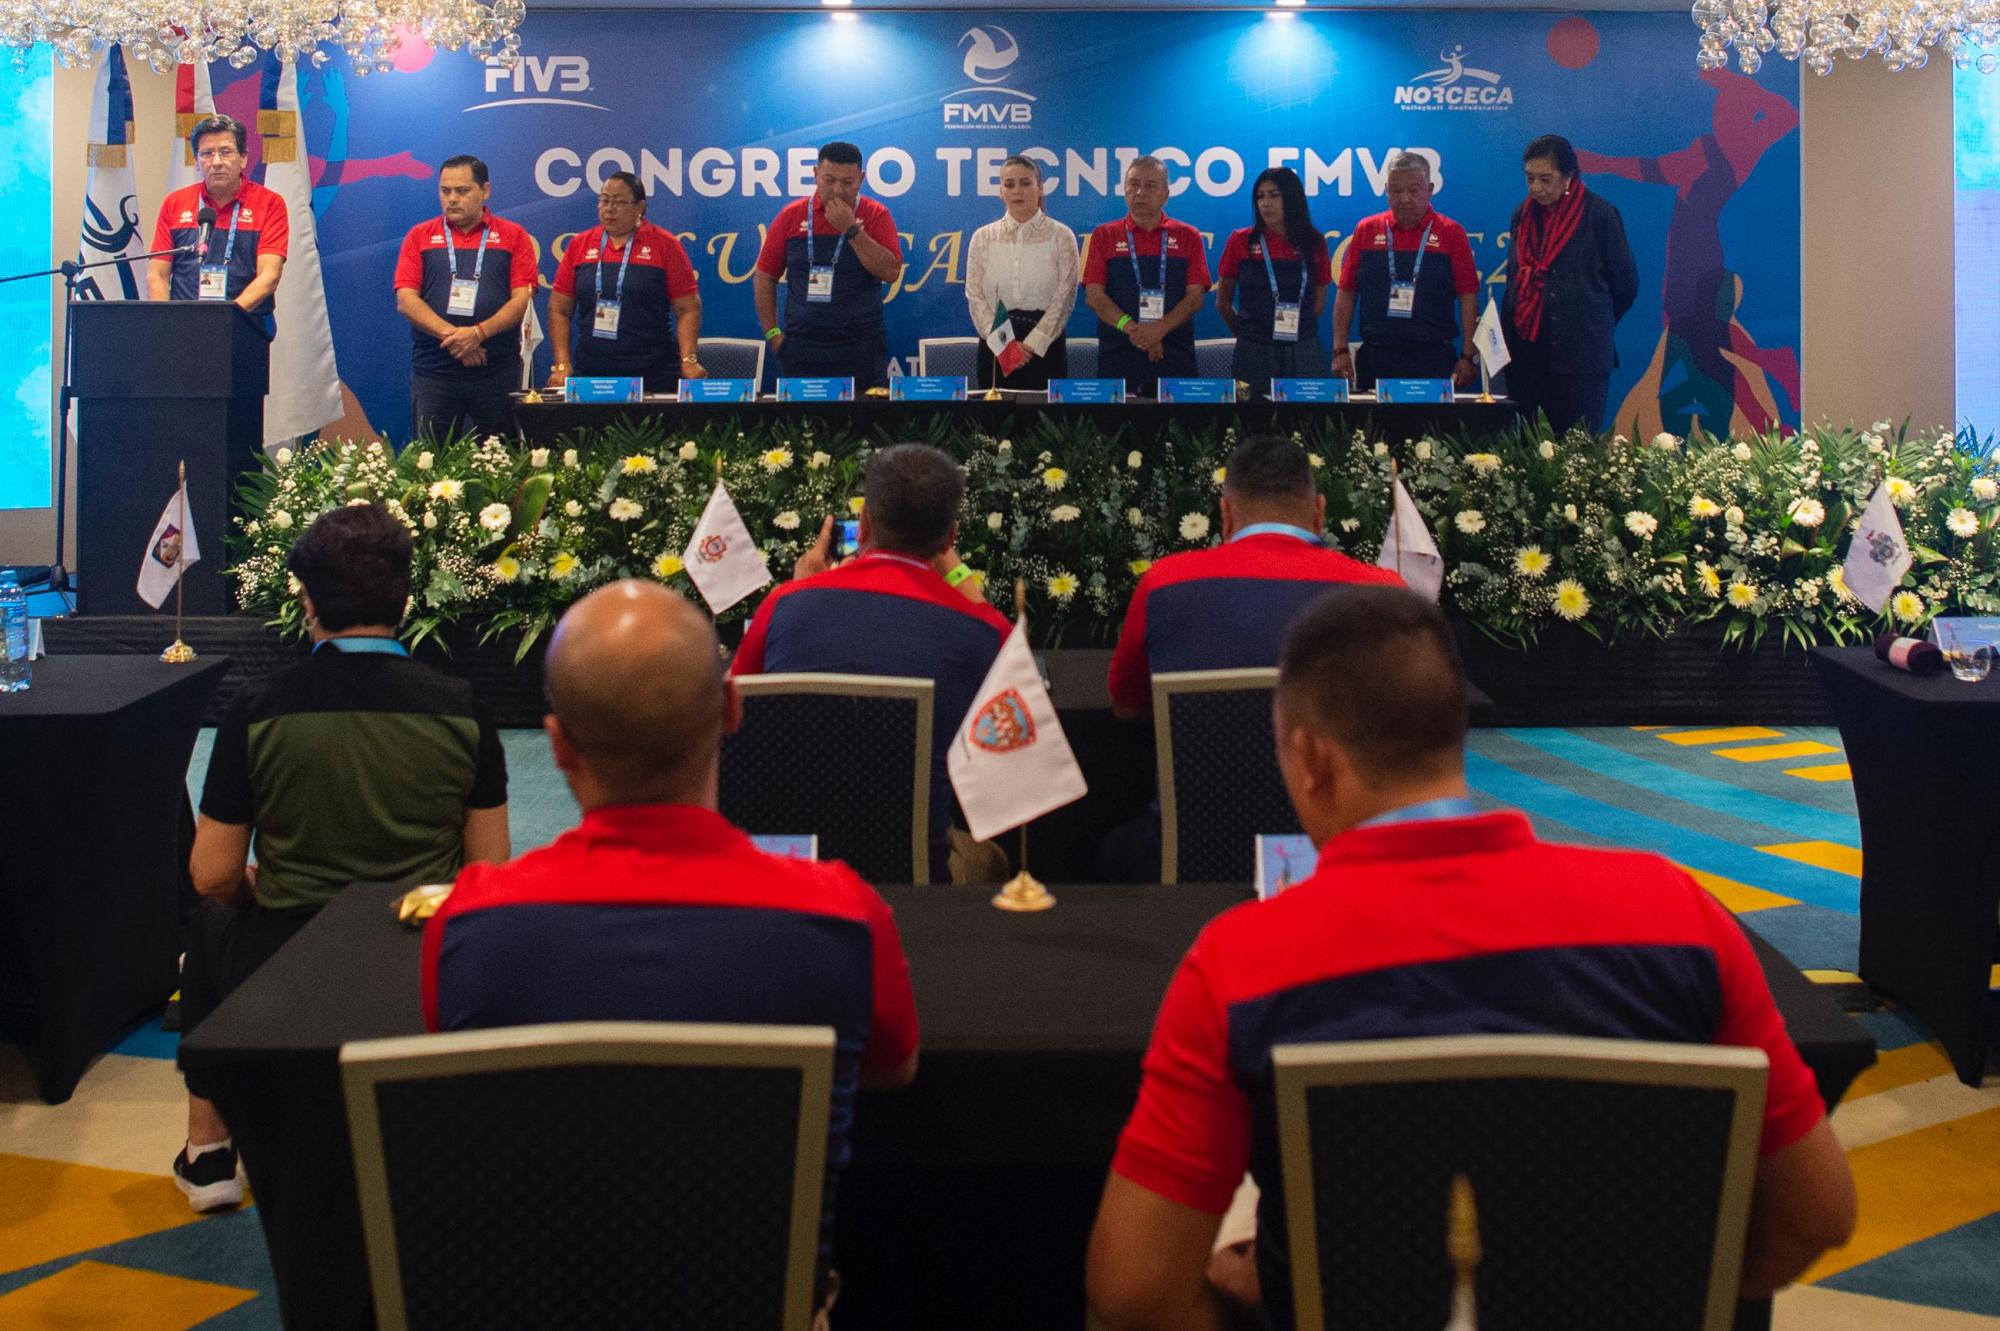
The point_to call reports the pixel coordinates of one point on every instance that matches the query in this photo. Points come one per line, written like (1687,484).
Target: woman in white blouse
(1026,261)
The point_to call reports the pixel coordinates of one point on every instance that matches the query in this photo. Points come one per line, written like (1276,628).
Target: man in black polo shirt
(357,765)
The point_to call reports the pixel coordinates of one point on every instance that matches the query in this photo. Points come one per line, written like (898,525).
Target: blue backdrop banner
(720,114)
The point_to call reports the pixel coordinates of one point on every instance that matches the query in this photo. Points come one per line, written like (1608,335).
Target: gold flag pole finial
(1023,892)
(180,653)
(1461,1241)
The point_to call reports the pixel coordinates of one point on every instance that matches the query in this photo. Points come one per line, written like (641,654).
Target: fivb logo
(533,78)
(990,52)
(1456,86)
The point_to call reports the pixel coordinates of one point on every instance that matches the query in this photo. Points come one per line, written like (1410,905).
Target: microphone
(207,220)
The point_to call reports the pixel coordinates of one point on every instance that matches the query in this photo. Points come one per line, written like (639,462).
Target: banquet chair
(1215,357)
(1219,783)
(592,1174)
(949,355)
(1082,357)
(733,357)
(846,758)
(1611,1179)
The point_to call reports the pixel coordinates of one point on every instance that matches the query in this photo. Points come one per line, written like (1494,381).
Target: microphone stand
(57,575)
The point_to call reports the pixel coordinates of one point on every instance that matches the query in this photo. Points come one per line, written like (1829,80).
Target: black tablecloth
(971,1192)
(1927,787)
(96,758)
(1142,422)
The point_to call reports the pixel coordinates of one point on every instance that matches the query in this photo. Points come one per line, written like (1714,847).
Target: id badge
(1285,323)
(1152,305)
(464,296)
(604,319)
(1402,300)
(819,284)
(214,282)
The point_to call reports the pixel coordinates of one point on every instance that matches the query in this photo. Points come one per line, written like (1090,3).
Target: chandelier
(1819,31)
(165,33)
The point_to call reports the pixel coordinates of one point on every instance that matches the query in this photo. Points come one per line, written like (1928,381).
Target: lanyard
(229,250)
(838,245)
(1423,243)
(364,646)
(479,260)
(1453,806)
(1132,253)
(1305,272)
(1279,529)
(912,561)
(604,243)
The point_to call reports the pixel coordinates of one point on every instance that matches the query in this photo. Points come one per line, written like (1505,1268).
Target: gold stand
(1462,1243)
(180,653)
(1024,892)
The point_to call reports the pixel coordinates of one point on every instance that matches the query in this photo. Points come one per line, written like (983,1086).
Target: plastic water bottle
(13,638)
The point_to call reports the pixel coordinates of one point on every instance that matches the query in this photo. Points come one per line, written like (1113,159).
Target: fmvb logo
(1455,86)
(990,52)
(534,78)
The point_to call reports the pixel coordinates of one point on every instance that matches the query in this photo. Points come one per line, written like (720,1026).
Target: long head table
(971,1192)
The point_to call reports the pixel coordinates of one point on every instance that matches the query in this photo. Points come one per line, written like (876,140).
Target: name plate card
(717,390)
(587,389)
(1309,390)
(816,389)
(927,388)
(1197,390)
(1086,390)
(1414,390)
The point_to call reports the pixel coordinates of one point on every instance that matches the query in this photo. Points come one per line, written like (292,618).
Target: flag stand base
(178,654)
(1024,892)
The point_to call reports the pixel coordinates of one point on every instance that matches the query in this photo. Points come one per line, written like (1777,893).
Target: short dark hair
(218,124)
(1552,145)
(355,564)
(840,153)
(629,181)
(467,160)
(1376,669)
(1269,466)
(913,493)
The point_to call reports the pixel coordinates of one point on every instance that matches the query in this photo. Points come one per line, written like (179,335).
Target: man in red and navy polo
(1145,276)
(1426,916)
(906,605)
(239,253)
(1226,608)
(628,290)
(655,908)
(1409,274)
(464,281)
(833,250)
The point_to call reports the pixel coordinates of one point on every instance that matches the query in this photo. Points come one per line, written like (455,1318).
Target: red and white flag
(1001,341)
(721,559)
(1010,761)
(1878,555)
(194,98)
(169,551)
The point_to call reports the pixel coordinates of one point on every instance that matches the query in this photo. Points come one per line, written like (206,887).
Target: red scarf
(1537,242)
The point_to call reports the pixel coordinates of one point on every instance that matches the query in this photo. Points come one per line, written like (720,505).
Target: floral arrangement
(1612,535)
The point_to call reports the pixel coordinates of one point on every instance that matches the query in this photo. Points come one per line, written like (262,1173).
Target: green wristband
(960,574)
(773,334)
(1123,319)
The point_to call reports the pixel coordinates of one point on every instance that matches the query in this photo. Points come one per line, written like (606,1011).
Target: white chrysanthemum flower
(447,491)
(1194,526)
(1135,460)
(666,565)
(506,569)
(994,522)
(1065,513)
(1315,461)
(563,565)
(1985,489)
(638,465)
(1485,464)
(1703,507)
(1711,579)
(1531,561)
(1055,478)
(1470,521)
(496,517)
(1350,524)
(280,519)
(1642,525)
(776,460)
(538,457)
(1807,512)
(1140,565)
(786,521)
(1901,492)
(1219,475)
(1547,450)
(293,585)
(1571,601)
(1742,594)
(1381,450)
(1741,452)
(1836,578)
(1062,586)
(1962,522)
(624,510)
(1907,606)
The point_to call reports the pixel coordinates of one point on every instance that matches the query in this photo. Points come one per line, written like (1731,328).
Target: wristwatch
(853,230)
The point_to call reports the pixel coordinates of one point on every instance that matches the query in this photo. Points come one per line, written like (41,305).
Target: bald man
(655,908)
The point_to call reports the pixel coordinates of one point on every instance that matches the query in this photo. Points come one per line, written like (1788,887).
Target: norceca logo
(534,80)
(990,54)
(1455,86)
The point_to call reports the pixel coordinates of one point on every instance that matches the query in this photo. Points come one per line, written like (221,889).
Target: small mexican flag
(1000,337)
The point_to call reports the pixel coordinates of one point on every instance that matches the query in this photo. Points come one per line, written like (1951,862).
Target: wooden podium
(156,382)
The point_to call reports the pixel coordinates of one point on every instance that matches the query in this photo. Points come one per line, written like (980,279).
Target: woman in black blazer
(1570,279)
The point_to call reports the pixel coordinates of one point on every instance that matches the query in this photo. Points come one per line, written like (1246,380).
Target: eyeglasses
(215,155)
(615,201)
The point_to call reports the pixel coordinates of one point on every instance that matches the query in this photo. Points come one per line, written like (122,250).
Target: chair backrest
(1219,783)
(844,757)
(1215,357)
(733,357)
(1611,1178)
(1082,353)
(592,1174)
(949,355)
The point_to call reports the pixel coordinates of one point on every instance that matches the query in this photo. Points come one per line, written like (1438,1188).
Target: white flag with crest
(169,552)
(305,381)
(1491,339)
(1408,549)
(1009,759)
(723,561)
(1877,556)
(111,228)
(531,337)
